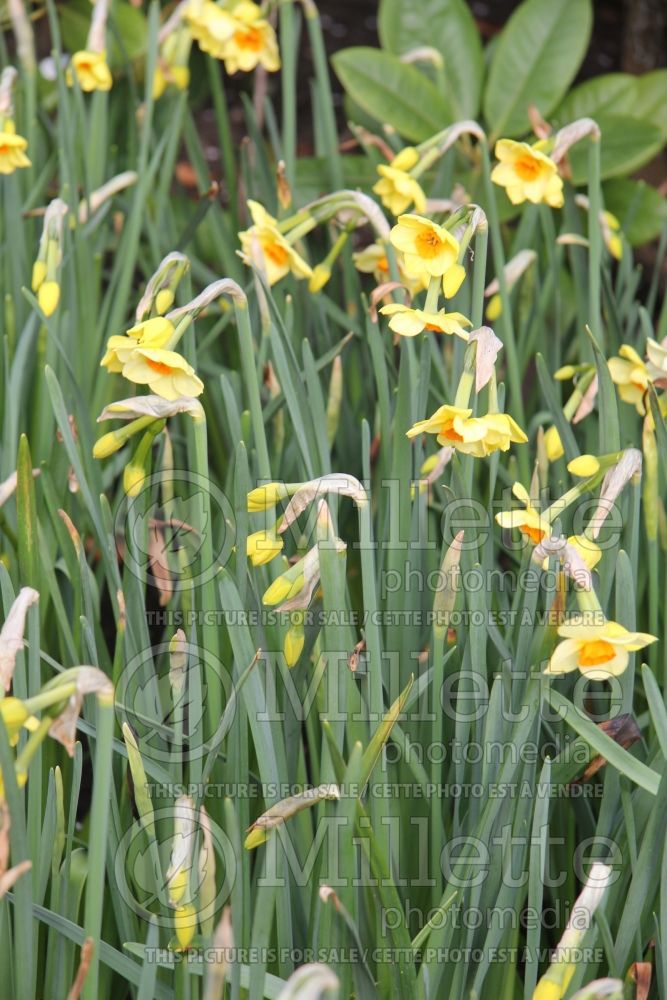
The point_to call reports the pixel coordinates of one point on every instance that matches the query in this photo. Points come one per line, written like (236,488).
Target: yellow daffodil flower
(527,174)
(263,546)
(598,649)
(12,148)
(91,69)
(632,377)
(397,189)
(278,254)
(477,436)
(252,42)
(410,322)
(154,333)
(528,521)
(167,373)
(426,245)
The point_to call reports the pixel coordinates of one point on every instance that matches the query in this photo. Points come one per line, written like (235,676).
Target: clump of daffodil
(527,173)
(397,188)
(266,243)
(409,322)
(89,66)
(171,68)
(632,377)
(237,33)
(46,269)
(426,246)
(12,146)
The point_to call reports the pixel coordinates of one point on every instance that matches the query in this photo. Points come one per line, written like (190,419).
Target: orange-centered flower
(426,245)
(599,649)
(527,174)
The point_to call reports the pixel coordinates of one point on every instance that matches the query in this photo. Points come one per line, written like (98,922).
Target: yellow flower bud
(452,280)
(282,589)
(48,297)
(546,990)
(584,466)
(294,641)
(263,546)
(178,885)
(107,445)
(494,308)
(38,274)
(553,444)
(185,924)
(133,478)
(256,837)
(266,496)
(164,300)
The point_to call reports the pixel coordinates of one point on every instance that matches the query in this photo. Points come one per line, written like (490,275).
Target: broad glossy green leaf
(611,93)
(395,93)
(627,143)
(536,59)
(639,207)
(652,98)
(449,27)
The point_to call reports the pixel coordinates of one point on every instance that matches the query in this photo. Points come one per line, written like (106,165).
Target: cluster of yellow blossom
(236,33)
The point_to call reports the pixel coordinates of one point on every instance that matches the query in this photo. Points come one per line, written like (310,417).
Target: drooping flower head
(527,173)
(477,436)
(277,254)
(409,322)
(528,521)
